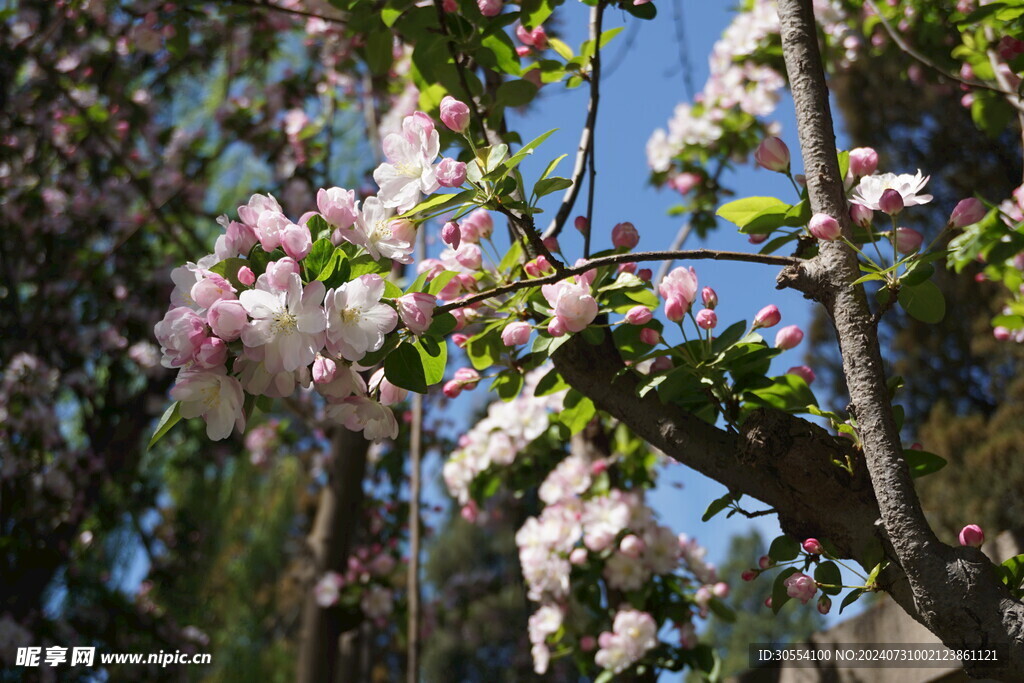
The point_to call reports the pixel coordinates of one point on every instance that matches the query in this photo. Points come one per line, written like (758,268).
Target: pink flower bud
(720,590)
(588,643)
(624,235)
(645,274)
(417,311)
(812,546)
(768,316)
(324,369)
(581,224)
(800,587)
(1001,333)
(749,575)
(279,272)
(661,364)
(469,256)
(598,466)
(454,113)
(451,173)
(632,546)
(768,602)
(523,50)
(788,337)
(227,318)
(972,535)
(452,388)
(967,212)
(639,315)
(649,335)
(757,239)
(337,206)
(468,377)
(863,161)
(824,227)
(490,8)
(773,155)
(246,276)
(477,226)
(516,334)
(908,240)
(470,512)
(212,352)
(296,241)
(709,297)
(578,556)
(824,604)
(551,244)
(765,562)
(450,6)
(707,319)
(684,182)
(540,38)
(451,234)
(861,215)
(627,268)
(891,202)
(211,288)
(556,328)
(802,371)
(675,308)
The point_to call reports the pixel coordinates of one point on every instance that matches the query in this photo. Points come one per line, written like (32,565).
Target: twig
(695,254)
(596,15)
(912,52)
(287,10)
(677,243)
(585,149)
(684,57)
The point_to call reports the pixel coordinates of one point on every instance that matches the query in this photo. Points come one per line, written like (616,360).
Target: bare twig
(696,254)
(596,15)
(256,4)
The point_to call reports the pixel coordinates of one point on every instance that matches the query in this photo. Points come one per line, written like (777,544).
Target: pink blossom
(649,335)
(356,319)
(772,154)
(389,394)
(709,297)
(768,316)
(679,289)
(813,546)
(861,215)
(451,173)
(324,369)
(1001,333)
(469,256)
(227,318)
(824,227)
(361,414)
(684,182)
(468,377)
(296,241)
(490,8)
(210,288)
(967,212)
(639,315)
(180,333)
(824,604)
(454,114)
(279,274)
(788,337)
(802,371)
(556,328)
(908,240)
(632,546)
(581,224)
(707,319)
(800,587)
(625,236)
(452,388)
(337,206)
(972,535)
(246,276)
(870,189)
(214,396)
(417,311)
(890,202)
(573,304)
(258,205)
(409,170)
(516,333)
(382,235)
(477,225)
(212,353)
(863,161)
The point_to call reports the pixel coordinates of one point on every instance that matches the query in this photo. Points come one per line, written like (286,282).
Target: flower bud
(765,562)
(824,604)
(908,240)
(581,224)
(863,161)
(768,316)
(812,546)
(227,318)
(556,328)
(452,388)
(788,337)
(773,155)
(296,241)
(468,377)
(972,535)
(967,212)
(861,215)
(709,297)
(749,574)
(578,556)
(707,319)
(649,335)
(324,369)
(824,227)
(469,256)
(757,239)
(768,602)
(454,113)
(279,272)
(639,315)
(516,334)
(523,50)
(891,202)
(246,276)
(212,352)
(470,511)
(624,235)
(675,308)
(588,643)
(632,546)
(645,274)
(684,182)
(802,371)
(416,311)
(451,234)
(451,173)
(551,244)
(1001,333)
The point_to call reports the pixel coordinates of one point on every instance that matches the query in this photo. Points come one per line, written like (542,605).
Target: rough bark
(786,462)
(329,542)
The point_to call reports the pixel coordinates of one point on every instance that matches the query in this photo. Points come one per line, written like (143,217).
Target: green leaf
(850,598)
(499,53)
(779,595)
(442,325)
(722,611)
(786,392)
(318,258)
(916,273)
(577,411)
(438,202)
(784,549)
(533,13)
(551,166)
(526,150)
(417,366)
(924,302)
(844,163)
(515,93)
(170,418)
(507,384)
(485,349)
(922,462)
(549,185)
(563,50)
(828,572)
(258,259)
(550,383)
(379,50)
(717,506)
(389,15)
(743,211)
(1012,571)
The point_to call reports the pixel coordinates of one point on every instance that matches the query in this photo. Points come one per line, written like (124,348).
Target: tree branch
(637,257)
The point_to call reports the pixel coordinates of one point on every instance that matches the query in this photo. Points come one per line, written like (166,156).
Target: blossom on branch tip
(572,303)
(337,206)
(800,587)
(773,155)
(972,535)
(870,189)
(180,333)
(706,319)
(408,171)
(454,114)
(639,315)
(214,396)
(356,319)
(288,324)
(516,333)
(417,311)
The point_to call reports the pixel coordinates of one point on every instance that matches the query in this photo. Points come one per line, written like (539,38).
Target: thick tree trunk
(320,657)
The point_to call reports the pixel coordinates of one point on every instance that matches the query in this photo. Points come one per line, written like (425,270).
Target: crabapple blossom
(180,333)
(212,395)
(788,337)
(802,371)
(800,587)
(768,316)
(451,173)
(361,414)
(210,288)
(212,353)
(967,212)
(813,546)
(639,315)
(454,114)
(327,589)
(972,535)
(490,8)
(337,206)
(861,215)
(516,334)
(377,603)
(417,311)
(408,171)
(477,225)
(573,305)
(678,289)
(772,154)
(451,234)
(356,319)
(581,224)
(382,235)
(870,189)
(633,634)
(649,335)
(707,319)
(278,275)
(891,202)
(863,161)
(709,297)
(908,240)
(625,236)
(625,573)
(246,276)
(824,227)
(289,324)
(324,369)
